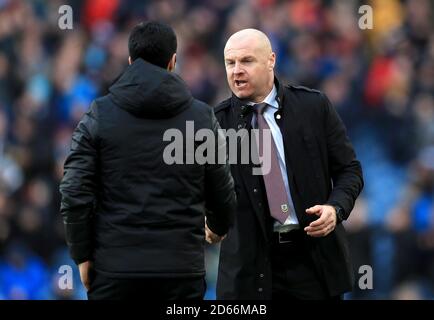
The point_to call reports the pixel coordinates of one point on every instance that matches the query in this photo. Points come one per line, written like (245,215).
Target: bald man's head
(249,62)
(259,40)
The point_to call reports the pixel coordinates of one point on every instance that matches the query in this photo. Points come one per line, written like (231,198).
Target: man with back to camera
(134,224)
(287,241)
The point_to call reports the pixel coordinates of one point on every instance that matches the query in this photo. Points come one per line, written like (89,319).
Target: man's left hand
(326,222)
(84,269)
(211,237)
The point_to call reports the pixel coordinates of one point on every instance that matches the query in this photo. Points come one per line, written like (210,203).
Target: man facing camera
(287,241)
(135,224)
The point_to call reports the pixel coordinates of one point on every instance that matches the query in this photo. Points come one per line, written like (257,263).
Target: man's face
(249,69)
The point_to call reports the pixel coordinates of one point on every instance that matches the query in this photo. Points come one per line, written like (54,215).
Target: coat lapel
(292,134)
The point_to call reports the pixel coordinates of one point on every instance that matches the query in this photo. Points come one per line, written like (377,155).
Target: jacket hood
(148,91)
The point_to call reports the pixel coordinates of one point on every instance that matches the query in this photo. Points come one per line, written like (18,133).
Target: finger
(328,230)
(321,232)
(326,217)
(317,234)
(208,238)
(315,229)
(320,221)
(217,239)
(331,228)
(325,225)
(314,210)
(213,238)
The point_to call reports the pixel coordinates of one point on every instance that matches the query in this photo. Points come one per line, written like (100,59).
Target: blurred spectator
(23,275)
(412,225)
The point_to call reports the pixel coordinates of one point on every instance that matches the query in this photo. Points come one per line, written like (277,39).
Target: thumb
(314,210)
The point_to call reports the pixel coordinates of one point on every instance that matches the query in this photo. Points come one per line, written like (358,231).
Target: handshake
(211,237)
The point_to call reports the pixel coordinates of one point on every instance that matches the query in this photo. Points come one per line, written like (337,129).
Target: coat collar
(245,109)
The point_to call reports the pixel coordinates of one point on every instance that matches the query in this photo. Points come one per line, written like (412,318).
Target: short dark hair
(152,41)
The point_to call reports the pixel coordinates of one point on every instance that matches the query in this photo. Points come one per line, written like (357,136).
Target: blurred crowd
(381,81)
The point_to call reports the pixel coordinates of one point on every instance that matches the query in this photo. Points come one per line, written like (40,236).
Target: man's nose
(237,68)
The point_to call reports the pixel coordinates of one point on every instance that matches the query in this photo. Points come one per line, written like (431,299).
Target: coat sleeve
(79,186)
(345,169)
(219,187)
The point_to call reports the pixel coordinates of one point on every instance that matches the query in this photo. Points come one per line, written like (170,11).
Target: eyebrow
(243,58)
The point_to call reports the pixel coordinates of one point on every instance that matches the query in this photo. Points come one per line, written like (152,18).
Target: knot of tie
(260,107)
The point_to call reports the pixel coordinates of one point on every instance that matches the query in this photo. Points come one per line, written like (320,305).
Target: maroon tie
(274,185)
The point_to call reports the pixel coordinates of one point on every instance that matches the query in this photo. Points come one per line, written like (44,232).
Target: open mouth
(240,83)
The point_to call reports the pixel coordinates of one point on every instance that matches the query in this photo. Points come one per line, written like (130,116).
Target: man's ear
(172,63)
(272,60)
(129,60)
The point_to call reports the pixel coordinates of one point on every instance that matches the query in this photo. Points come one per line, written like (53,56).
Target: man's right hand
(211,237)
(84,269)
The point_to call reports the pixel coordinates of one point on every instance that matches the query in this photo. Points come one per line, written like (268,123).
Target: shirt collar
(270,99)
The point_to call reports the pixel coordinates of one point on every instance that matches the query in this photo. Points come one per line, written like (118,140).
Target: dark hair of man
(152,41)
